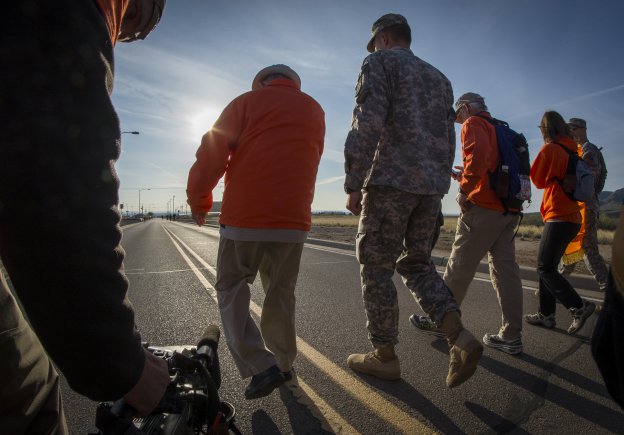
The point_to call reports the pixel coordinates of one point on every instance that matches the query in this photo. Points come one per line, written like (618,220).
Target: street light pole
(140,209)
(130,132)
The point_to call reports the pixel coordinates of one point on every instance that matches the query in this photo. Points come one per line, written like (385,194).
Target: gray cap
(382,23)
(275,69)
(469,97)
(577,122)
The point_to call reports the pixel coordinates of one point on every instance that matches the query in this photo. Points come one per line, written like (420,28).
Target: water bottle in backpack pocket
(578,181)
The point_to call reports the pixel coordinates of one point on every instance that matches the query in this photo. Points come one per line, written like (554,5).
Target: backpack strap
(570,153)
(492,121)
(568,171)
(564,147)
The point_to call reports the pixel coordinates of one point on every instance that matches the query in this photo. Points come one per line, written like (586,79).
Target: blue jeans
(552,285)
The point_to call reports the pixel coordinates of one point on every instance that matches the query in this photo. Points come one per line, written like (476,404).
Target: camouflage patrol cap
(284,70)
(469,97)
(382,23)
(577,122)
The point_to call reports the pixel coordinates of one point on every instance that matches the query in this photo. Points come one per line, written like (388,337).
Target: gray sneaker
(579,315)
(495,341)
(539,319)
(426,325)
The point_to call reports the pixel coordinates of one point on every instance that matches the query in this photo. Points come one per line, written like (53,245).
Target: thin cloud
(330,180)
(571,101)
(590,95)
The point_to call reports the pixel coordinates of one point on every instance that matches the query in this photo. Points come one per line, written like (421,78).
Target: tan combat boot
(382,363)
(464,349)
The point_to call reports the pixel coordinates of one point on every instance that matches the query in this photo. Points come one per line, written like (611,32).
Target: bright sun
(204,120)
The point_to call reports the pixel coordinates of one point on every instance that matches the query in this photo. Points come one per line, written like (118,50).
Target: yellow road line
(336,423)
(403,422)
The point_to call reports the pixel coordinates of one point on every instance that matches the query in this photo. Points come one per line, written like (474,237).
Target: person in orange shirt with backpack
(562,221)
(60,139)
(484,227)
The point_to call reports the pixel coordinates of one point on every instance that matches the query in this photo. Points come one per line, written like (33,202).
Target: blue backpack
(578,181)
(511,179)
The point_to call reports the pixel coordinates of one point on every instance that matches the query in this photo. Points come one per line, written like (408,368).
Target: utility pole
(141,208)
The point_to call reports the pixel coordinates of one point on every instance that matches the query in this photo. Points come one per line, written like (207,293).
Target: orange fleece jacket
(480,158)
(547,169)
(269,143)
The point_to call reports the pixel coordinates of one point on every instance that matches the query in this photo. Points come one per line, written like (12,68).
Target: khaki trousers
(483,231)
(255,350)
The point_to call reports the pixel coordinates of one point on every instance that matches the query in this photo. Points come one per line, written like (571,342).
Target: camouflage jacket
(593,157)
(402,133)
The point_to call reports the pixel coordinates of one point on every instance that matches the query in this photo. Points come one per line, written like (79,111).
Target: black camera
(191,404)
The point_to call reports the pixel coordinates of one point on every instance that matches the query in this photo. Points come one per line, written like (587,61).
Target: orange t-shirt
(113,11)
(268,142)
(547,169)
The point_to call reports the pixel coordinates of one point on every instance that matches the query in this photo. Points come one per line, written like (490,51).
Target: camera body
(191,403)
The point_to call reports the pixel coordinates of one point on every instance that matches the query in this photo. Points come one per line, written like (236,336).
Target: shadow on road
(407,394)
(303,414)
(519,411)
(543,390)
(262,423)
(498,424)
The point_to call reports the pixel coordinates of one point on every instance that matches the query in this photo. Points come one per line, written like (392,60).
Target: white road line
(440,270)
(402,421)
(326,249)
(158,271)
(313,263)
(209,287)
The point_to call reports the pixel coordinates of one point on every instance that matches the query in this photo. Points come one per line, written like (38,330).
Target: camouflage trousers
(593,260)
(395,232)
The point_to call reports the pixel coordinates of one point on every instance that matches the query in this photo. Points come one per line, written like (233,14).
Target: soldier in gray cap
(591,255)
(398,157)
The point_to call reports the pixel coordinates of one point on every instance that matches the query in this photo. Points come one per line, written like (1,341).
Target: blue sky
(523,56)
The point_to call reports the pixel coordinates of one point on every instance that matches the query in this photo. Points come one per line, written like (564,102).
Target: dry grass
(527,232)
(335,220)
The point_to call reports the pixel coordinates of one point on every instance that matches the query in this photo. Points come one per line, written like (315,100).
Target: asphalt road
(553,387)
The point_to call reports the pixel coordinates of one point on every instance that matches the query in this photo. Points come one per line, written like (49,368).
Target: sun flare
(203,121)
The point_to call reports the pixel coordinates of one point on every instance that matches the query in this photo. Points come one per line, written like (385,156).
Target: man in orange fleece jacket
(268,143)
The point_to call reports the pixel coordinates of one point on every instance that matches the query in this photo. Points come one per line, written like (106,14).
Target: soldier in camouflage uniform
(398,158)
(593,157)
